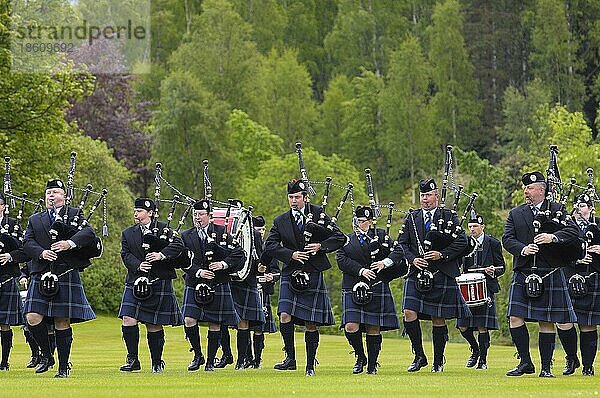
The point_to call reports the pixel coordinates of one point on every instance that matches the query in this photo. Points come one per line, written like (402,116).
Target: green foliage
(267,18)
(333,115)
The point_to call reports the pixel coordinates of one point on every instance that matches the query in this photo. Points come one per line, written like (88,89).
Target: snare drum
(473,288)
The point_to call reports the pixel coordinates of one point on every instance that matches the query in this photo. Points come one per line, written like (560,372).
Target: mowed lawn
(98,352)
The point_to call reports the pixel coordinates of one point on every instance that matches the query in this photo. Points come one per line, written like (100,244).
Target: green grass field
(98,352)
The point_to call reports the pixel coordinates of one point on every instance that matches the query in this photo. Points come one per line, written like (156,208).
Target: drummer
(486,260)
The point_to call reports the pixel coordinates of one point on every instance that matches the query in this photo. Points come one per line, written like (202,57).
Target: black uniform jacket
(519,232)
(133,254)
(490,254)
(37,239)
(235,257)
(284,239)
(408,243)
(18,255)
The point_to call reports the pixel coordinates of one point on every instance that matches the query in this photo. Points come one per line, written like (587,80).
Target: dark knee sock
(225,340)
(213,345)
(287,334)
(249,353)
(52,342)
(440,337)
(589,346)
(312,342)
(413,329)
(355,340)
(243,340)
(33,345)
(156,343)
(6,338)
(373,349)
(520,337)
(546,344)
(468,335)
(64,340)
(259,345)
(192,333)
(568,339)
(484,344)
(40,334)
(131,335)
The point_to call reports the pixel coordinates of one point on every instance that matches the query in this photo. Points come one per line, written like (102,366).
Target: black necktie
(51,214)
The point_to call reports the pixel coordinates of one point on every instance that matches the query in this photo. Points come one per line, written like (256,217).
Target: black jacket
(352,257)
(408,243)
(519,232)
(133,254)
(37,239)
(18,255)
(284,239)
(235,255)
(490,254)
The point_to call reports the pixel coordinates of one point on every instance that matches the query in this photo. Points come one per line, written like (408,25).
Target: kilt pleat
(311,305)
(481,316)
(11,307)
(220,311)
(443,301)
(587,308)
(270,326)
(160,309)
(381,311)
(70,301)
(554,305)
(247,303)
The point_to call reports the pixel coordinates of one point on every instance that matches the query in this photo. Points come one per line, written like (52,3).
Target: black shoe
(546,373)
(481,364)
(63,372)
(570,366)
(310,372)
(224,361)
(417,364)
(372,371)
(360,364)
(472,361)
(588,371)
(131,364)
(287,364)
(243,365)
(209,367)
(197,361)
(4,366)
(158,367)
(35,359)
(44,365)
(256,364)
(437,368)
(521,369)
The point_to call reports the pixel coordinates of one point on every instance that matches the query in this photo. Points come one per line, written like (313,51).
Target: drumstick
(262,279)
(483,269)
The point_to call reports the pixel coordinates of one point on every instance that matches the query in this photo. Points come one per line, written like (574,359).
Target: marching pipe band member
(586,305)
(248,306)
(214,275)
(487,258)
(443,300)
(307,303)
(10,300)
(69,303)
(266,267)
(530,252)
(379,313)
(161,307)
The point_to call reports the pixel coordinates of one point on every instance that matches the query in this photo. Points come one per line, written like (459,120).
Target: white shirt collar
(432,211)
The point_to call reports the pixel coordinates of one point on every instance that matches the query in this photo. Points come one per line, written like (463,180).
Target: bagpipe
(155,239)
(443,232)
(11,236)
(64,227)
(549,221)
(316,231)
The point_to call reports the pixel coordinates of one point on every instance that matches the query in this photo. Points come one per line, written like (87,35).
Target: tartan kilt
(587,308)
(269,326)
(481,316)
(554,305)
(160,309)
(11,307)
(70,301)
(443,301)
(220,311)
(311,305)
(247,303)
(381,311)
